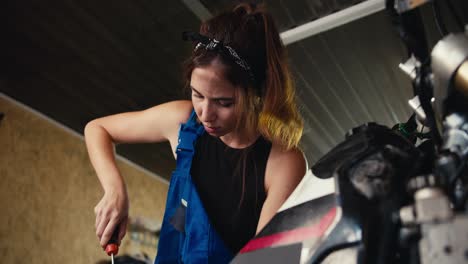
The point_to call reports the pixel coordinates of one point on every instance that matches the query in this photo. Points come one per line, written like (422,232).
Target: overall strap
(188,134)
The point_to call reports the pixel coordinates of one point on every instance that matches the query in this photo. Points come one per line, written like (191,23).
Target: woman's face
(214,100)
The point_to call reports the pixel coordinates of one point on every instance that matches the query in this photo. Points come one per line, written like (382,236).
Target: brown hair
(266,102)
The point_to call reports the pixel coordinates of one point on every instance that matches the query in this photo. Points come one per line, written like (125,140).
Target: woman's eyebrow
(195,90)
(215,98)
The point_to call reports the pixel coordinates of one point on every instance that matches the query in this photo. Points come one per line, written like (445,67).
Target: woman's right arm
(157,124)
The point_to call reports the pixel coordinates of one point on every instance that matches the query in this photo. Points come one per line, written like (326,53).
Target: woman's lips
(211,129)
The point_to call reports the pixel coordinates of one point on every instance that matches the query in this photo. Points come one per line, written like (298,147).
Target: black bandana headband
(213,44)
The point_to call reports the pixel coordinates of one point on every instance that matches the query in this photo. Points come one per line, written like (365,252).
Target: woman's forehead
(210,81)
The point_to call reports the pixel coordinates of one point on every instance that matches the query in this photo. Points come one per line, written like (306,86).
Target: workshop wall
(48,191)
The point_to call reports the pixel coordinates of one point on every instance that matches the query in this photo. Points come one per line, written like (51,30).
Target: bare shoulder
(284,167)
(175,112)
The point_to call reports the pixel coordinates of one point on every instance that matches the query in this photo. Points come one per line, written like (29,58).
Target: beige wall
(48,191)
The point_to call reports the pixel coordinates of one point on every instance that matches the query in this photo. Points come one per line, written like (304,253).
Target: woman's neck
(239,141)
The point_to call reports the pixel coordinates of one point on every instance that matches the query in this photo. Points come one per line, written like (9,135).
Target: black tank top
(232,204)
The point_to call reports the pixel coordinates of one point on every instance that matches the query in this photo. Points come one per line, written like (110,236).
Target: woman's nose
(208,112)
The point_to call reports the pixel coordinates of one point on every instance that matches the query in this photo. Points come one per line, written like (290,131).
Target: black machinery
(401,193)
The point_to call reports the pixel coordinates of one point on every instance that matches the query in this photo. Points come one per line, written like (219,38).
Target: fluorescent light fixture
(333,20)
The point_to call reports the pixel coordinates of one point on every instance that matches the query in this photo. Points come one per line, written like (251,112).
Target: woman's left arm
(284,171)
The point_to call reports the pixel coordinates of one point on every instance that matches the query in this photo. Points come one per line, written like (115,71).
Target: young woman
(245,159)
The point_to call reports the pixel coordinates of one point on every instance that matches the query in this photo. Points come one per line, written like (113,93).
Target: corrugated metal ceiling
(78,60)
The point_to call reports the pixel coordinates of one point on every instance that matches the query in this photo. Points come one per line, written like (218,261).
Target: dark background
(77,60)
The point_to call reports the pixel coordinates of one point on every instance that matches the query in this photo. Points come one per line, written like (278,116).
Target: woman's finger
(123,228)
(98,214)
(101,227)
(106,235)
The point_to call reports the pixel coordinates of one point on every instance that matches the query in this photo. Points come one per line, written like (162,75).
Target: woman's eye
(196,95)
(225,103)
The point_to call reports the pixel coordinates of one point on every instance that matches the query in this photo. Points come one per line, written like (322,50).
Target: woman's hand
(157,124)
(111,213)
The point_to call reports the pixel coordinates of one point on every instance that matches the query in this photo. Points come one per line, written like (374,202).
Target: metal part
(445,242)
(409,67)
(428,193)
(456,134)
(417,108)
(422,181)
(432,205)
(461,79)
(402,6)
(446,57)
(407,215)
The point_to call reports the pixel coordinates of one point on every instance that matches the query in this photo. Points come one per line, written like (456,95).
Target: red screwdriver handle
(112,247)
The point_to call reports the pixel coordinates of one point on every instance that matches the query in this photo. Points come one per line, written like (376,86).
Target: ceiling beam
(331,21)
(198,9)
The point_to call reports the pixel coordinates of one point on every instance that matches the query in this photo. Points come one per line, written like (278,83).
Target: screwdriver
(112,248)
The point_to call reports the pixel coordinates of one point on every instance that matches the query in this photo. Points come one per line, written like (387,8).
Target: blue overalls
(187,235)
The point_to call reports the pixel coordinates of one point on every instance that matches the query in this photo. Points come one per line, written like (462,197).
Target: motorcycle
(400,194)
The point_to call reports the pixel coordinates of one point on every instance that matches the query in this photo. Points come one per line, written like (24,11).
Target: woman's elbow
(89,127)
(93,129)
